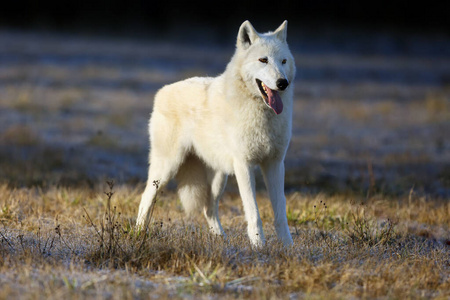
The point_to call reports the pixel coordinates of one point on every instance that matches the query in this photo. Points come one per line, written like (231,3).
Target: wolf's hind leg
(200,188)
(193,188)
(159,174)
(217,180)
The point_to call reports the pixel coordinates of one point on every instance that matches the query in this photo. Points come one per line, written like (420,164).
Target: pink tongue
(274,100)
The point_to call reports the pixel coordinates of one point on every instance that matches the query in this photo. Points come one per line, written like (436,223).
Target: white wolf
(203,129)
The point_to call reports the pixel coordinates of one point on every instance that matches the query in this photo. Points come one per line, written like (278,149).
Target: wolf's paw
(257,240)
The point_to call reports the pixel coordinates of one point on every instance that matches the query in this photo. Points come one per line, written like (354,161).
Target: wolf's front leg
(273,172)
(246,182)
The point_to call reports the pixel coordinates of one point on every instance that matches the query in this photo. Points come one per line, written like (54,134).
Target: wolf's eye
(264,60)
(283,61)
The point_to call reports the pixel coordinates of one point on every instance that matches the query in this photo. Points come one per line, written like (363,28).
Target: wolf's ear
(281,32)
(246,36)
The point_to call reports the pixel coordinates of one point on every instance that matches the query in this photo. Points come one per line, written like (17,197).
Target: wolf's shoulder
(199,80)
(193,83)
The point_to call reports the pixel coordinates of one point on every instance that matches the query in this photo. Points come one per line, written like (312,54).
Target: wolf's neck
(234,86)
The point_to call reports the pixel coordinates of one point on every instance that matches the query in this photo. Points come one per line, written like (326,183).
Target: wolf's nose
(282,84)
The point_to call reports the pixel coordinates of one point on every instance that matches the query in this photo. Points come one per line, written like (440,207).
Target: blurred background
(372,92)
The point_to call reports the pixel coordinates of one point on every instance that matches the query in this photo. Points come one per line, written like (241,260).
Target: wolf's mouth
(271,97)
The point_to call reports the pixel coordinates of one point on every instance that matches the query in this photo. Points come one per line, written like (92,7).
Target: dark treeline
(160,16)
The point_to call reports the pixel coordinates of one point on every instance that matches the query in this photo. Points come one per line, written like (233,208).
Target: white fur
(203,129)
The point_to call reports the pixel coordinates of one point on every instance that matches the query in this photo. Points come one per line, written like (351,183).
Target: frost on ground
(74,243)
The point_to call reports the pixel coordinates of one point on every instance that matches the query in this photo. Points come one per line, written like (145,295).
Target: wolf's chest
(262,139)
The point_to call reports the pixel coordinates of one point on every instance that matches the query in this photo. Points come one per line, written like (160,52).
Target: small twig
(46,243)
(6,240)
(58,232)
(20,236)
(88,219)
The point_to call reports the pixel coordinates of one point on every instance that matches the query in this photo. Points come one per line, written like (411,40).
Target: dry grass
(79,243)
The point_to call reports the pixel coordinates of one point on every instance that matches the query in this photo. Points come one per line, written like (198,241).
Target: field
(368,173)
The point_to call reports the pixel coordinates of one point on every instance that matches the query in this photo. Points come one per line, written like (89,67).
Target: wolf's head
(266,65)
